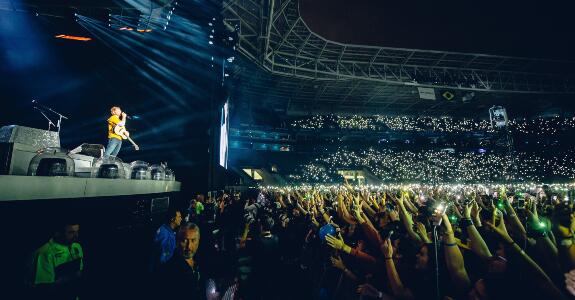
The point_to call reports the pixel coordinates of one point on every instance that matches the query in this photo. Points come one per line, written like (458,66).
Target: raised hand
(457,211)
(393,215)
(467,211)
(337,243)
(475,210)
(387,249)
(447,224)
(501,230)
(369,291)
(358,214)
(337,263)
(567,231)
(569,282)
(422,231)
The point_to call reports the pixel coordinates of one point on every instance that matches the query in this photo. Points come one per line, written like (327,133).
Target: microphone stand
(50,123)
(41,107)
(435,242)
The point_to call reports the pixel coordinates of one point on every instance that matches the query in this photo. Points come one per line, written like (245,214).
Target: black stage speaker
(5,158)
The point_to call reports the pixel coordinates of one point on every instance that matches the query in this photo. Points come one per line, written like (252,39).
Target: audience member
(165,239)
(58,264)
(180,276)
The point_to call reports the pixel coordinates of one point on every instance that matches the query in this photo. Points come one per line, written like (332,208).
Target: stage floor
(18,188)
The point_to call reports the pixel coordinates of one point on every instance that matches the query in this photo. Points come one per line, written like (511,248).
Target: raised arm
(321,210)
(515,223)
(406,219)
(566,243)
(540,278)
(337,263)
(342,205)
(478,245)
(454,258)
(397,287)
(408,204)
(337,243)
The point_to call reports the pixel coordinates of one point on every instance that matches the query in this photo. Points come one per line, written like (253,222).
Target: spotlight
(210,42)
(73,37)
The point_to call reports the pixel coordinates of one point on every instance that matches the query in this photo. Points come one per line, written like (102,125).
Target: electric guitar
(121,131)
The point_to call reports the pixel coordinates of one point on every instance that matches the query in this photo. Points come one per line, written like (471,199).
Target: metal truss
(273,34)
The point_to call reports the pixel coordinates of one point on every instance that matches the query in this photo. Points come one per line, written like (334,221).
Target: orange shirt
(113,121)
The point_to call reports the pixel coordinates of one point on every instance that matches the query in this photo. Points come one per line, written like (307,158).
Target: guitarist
(118,118)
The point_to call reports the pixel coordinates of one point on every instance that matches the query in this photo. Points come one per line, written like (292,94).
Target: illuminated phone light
(542,225)
(73,37)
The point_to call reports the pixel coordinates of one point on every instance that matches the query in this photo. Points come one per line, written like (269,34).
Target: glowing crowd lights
(435,166)
(537,126)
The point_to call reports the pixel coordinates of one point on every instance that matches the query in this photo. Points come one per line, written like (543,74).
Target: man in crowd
(165,240)
(180,277)
(266,256)
(58,264)
(195,209)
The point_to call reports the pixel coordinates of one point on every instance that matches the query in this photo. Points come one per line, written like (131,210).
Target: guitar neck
(133,143)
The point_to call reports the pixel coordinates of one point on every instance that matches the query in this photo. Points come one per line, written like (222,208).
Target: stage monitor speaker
(93,150)
(19,144)
(5,157)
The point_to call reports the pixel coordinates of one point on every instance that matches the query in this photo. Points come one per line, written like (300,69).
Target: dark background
(541,29)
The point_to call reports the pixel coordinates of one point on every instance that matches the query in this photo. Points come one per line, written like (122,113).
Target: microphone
(134,117)
(37,105)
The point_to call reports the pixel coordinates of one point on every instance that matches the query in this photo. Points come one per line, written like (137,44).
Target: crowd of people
(438,166)
(538,126)
(344,242)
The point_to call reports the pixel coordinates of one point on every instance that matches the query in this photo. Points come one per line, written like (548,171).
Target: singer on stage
(118,118)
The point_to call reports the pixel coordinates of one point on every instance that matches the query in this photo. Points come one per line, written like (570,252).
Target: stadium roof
(292,68)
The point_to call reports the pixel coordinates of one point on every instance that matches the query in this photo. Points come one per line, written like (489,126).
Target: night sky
(509,27)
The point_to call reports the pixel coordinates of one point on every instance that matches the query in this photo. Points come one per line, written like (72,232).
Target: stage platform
(21,188)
